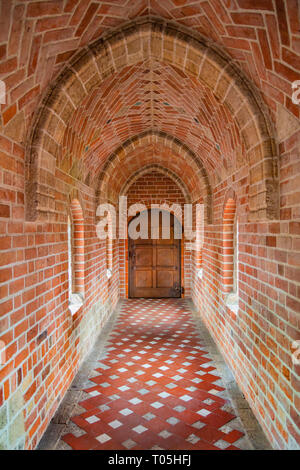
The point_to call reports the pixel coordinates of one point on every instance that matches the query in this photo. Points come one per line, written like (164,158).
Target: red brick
(87,18)
(8,66)
(4,210)
(282,20)
(43,8)
(249,19)
(256,5)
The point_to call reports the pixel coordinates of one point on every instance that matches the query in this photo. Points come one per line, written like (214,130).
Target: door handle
(176,289)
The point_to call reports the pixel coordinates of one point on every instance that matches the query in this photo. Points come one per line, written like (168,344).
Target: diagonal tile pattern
(156,386)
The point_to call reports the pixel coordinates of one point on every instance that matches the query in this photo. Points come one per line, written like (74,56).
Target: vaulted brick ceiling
(153,96)
(43,36)
(151,155)
(46,34)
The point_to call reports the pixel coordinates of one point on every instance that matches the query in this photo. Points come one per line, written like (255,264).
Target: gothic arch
(181,155)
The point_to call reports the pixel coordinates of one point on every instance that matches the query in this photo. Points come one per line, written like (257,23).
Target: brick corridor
(156,386)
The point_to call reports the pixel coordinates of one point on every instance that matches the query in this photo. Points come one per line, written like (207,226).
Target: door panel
(165,256)
(154,265)
(164,278)
(143,279)
(144,256)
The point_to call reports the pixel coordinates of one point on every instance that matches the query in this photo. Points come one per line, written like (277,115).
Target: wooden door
(154,264)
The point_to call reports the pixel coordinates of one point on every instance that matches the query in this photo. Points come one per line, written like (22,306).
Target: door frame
(127,259)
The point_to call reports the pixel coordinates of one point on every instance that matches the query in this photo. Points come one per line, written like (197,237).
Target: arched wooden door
(155,264)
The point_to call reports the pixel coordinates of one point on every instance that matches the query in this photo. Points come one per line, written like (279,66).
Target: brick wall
(45,344)
(257,341)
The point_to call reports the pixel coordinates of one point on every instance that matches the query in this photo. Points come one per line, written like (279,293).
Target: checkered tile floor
(156,388)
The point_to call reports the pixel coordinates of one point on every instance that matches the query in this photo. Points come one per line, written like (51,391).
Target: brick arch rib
(179,149)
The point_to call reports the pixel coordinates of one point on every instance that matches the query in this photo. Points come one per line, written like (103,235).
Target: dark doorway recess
(155,264)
